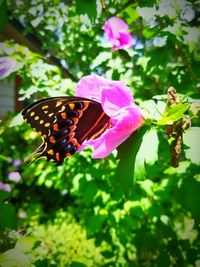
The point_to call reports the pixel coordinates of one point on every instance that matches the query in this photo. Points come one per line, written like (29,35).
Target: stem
(175,131)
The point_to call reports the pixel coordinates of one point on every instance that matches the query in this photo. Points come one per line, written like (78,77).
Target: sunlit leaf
(182,168)
(127,153)
(88,7)
(15,257)
(173,114)
(153,110)
(132,14)
(17,120)
(191,140)
(147,13)
(25,244)
(102,57)
(147,154)
(36,21)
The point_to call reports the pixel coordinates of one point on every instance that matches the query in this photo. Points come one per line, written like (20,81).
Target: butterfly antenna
(39,151)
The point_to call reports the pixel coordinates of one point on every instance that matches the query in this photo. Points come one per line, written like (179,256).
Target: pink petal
(115,25)
(124,123)
(89,87)
(117,32)
(7,65)
(115,96)
(126,39)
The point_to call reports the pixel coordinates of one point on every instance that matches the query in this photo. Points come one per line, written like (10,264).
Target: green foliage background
(129,209)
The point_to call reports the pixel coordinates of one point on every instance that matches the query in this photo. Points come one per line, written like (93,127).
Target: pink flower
(117,32)
(5,187)
(7,65)
(14,176)
(117,102)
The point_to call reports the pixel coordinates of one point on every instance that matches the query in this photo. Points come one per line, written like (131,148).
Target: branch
(175,131)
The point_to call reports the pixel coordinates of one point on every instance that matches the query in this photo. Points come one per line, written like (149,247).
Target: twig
(175,131)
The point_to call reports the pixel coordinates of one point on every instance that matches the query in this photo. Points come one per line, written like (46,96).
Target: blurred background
(77,214)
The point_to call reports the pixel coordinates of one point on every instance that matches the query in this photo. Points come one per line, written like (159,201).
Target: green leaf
(14,257)
(95,223)
(132,14)
(189,195)
(191,140)
(147,154)
(127,154)
(44,263)
(8,219)
(89,192)
(3,195)
(102,57)
(8,216)
(88,7)
(153,110)
(147,13)
(17,120)
(163,259)
(3,15)
(173,114)
(25,244)
(77,264)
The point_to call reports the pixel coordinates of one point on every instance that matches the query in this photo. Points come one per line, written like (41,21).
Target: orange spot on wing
(72,128)
(50,152)
(71,135)
(75,120)
(80,113)
(71,106)
(86,104)
(52,139)
(55,127)
(77,145)
(68,155)
(57,156)
(64,115)
(74,142)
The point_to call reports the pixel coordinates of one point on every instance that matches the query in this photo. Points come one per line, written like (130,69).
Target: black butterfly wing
(72,121)
(41,114)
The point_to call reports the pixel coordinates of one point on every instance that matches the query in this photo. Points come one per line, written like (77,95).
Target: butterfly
(65,123)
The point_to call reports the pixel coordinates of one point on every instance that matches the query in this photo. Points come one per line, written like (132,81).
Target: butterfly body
(65,123)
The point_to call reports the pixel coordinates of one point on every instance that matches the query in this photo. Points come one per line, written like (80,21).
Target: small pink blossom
(117,102)
(5,187)
(117,32)
(17,162)
(7,65)
(14,176)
